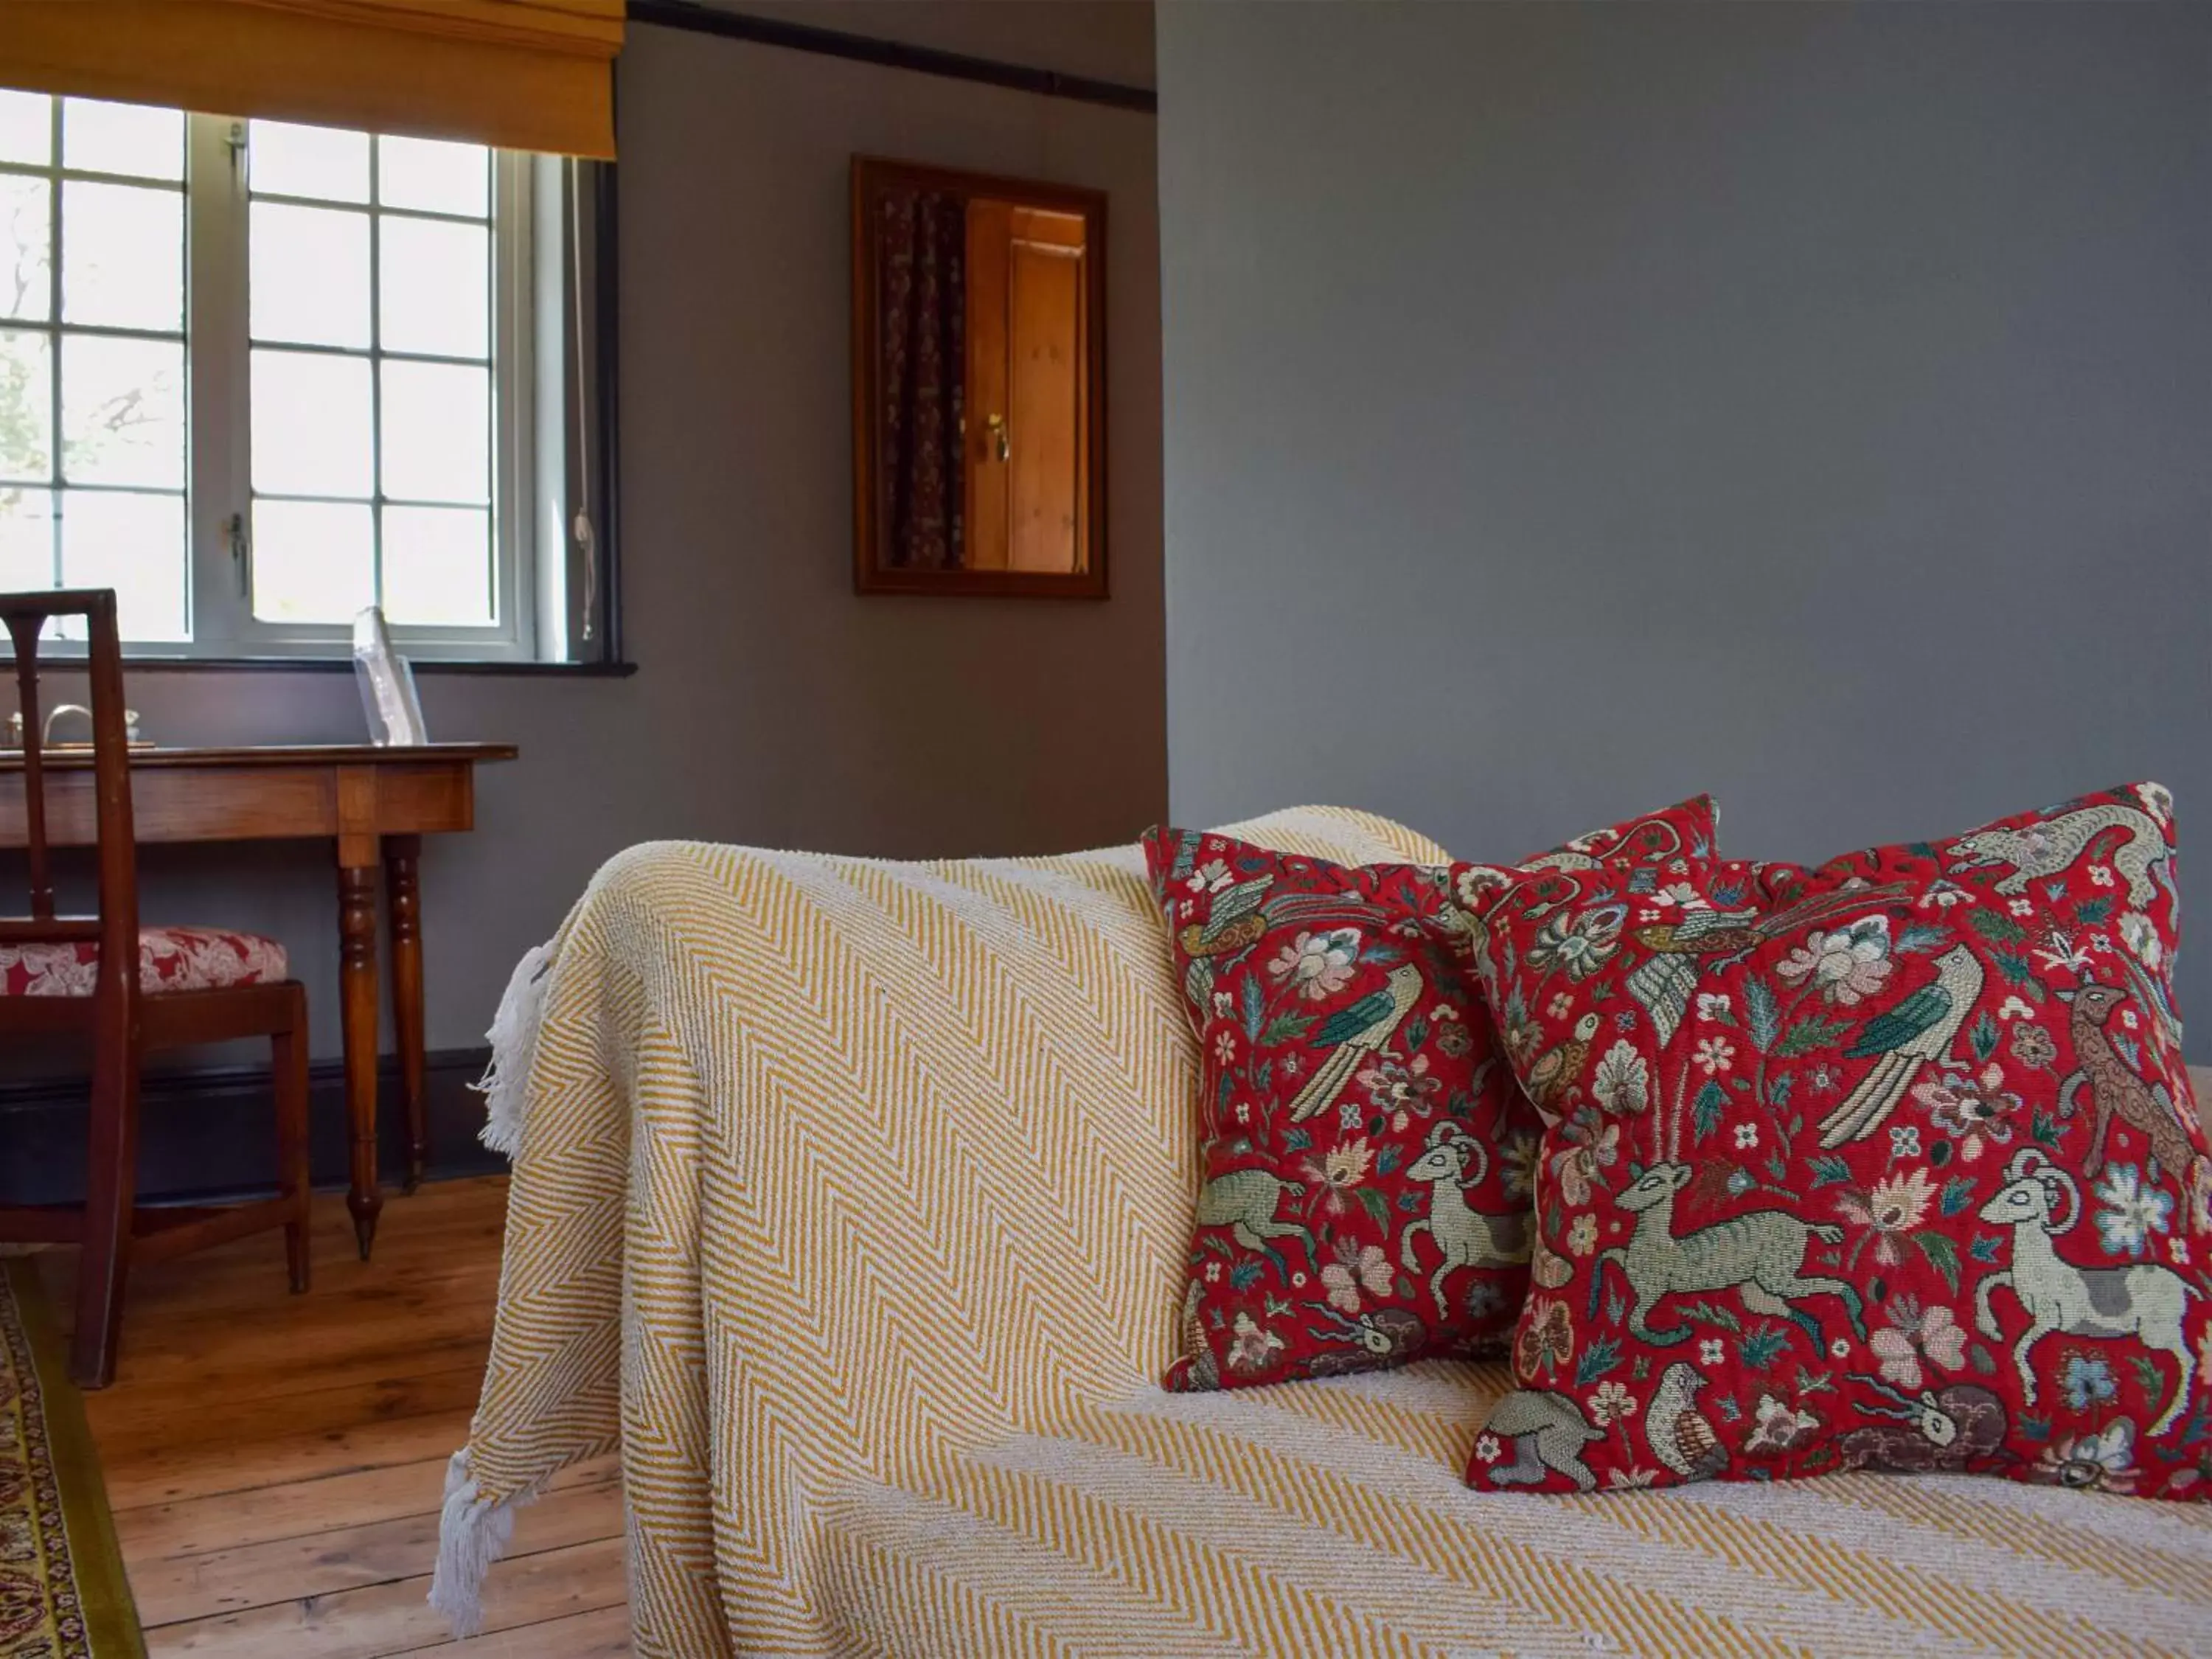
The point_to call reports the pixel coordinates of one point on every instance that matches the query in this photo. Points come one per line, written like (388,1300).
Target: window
(370,327)
(255,376)
(92,361)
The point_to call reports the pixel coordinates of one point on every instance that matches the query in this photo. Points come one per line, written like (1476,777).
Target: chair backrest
(116,925)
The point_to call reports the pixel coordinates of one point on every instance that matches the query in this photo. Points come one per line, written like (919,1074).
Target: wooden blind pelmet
(534,75)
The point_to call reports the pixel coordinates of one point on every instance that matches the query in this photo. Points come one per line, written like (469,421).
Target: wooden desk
(376,804)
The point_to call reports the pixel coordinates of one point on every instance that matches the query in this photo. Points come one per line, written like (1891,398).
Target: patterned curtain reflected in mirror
(923,330)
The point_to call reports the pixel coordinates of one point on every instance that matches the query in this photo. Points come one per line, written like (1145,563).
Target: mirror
(978,323)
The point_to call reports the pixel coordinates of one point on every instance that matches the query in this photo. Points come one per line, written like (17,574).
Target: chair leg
(111,1194)
(288,1057)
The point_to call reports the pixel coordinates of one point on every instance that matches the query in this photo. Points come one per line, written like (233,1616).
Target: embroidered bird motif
(1242,915)
(1728,932)
(1703,933)
(1680,1436)
(1354,1032)
(1232,921)
(1561,1065)
(1906,1038)
(1225,939)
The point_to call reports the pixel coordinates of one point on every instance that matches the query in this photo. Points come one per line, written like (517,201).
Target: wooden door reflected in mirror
(979,454)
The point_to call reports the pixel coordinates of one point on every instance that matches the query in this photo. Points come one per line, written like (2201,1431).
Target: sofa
(851,1202)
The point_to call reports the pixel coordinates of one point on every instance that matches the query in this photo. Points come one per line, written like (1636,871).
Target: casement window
(255,376)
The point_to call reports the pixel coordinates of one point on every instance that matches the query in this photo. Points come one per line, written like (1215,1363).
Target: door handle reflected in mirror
(1002,437)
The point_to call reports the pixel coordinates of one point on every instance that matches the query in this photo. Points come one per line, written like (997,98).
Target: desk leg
(403,897)
(357,1000)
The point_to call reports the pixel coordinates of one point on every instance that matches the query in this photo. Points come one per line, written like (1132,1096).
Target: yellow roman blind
(534,75)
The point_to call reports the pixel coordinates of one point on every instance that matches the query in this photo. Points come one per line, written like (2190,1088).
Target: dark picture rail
(891,54)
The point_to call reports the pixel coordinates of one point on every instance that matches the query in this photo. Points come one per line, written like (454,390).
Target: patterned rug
(63,1593)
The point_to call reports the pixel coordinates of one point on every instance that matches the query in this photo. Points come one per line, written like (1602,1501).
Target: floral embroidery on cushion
(170,959)
(1892,1163)
(1367,1160)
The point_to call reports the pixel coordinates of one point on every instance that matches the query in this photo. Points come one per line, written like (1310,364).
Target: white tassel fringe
(505,1085)
(473,1534)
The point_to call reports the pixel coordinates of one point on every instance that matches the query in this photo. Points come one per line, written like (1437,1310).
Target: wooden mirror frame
(873,177)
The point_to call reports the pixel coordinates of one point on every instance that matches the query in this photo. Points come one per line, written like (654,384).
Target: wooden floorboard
(184,1470)
(276,1463)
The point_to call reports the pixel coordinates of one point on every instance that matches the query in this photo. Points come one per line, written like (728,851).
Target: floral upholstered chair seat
(170,959)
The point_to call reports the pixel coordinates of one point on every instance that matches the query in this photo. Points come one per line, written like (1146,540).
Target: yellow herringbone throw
(850,1201)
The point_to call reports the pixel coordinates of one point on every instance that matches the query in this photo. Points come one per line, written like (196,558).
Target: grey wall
(771,706)
(1570,407)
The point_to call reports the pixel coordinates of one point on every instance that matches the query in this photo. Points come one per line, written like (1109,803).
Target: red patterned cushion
(1366,1159)
(170,959)
(1890,1163)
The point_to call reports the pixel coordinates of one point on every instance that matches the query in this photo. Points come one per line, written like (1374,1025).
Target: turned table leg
(403,896)
(357,1009)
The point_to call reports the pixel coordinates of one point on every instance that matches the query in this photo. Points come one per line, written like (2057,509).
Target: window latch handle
(242,552)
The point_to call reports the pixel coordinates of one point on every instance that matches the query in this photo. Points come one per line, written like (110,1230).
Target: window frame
(223,551)
(57,329)
(218,484)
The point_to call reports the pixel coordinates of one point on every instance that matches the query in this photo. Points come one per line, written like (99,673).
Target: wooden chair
(130,990)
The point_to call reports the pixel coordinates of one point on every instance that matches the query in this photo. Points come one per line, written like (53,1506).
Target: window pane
(27,540)
(310,424)
(437,431)
(122,256)
(134,139)
(436,288)
(27,128)
(27,405)
(438,178)
(310,276)
(286,159)
(135,545)
(314,562)
(123,412)
(26,279)
(437,565)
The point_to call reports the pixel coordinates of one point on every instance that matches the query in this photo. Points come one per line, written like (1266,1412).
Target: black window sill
(568,670)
